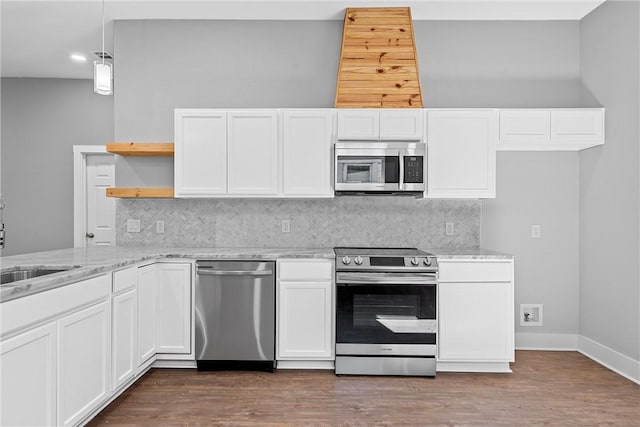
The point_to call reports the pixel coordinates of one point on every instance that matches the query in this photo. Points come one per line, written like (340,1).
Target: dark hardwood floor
(545,388)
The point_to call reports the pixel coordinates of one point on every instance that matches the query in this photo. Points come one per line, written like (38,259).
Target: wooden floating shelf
(140,193)
(163,149)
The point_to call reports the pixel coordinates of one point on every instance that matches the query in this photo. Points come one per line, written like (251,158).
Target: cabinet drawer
(31,309)
(305,269)
(490,271)
(125,279)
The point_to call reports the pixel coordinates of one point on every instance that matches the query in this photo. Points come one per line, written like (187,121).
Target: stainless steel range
(386,311)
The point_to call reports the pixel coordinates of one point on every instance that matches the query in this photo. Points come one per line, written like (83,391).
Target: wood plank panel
(140,193)
(162,149)
(378,63)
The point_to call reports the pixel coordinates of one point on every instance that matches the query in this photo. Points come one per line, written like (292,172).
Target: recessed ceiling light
(78,58)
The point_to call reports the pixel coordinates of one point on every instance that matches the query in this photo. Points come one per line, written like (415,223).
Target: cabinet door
(307,137)
(401,124)
(305,320)
(253,152)
(147,285)
(475,322)
(124,337)
(525,127)
(28,380)
(461,154)
(584,125)
(358,124)
(200,159)
(173,313)
(84,359)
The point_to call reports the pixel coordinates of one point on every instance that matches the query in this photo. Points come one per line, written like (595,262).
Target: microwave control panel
(413,169)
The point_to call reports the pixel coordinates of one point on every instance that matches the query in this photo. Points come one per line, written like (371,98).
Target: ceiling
(38,36)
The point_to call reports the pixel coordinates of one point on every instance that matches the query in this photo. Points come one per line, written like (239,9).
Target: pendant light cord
(102,32)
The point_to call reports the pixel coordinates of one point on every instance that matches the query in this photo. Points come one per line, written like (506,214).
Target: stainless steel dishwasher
(235,315)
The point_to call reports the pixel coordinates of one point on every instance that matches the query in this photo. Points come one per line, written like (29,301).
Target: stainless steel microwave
(380,168)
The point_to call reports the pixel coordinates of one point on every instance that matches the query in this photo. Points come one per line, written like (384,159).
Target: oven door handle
(386,279)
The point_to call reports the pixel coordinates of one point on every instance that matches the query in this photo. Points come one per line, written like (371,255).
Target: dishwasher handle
(235,272)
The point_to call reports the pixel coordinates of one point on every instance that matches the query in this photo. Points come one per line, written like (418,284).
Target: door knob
(90,235)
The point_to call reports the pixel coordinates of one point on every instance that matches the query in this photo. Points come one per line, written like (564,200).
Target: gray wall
(609,181)
(538,188)
(41,121)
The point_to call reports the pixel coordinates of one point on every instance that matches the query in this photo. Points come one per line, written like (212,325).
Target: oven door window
(385,314)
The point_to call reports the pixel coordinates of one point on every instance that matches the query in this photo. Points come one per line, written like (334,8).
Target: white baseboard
(306,364)
(609,358)
(547,342)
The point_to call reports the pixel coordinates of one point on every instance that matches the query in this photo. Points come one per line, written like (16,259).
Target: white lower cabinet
(173,310)
(476,316)
(28,378)
(147,288)
(84,355)
(124,337)
(305,311)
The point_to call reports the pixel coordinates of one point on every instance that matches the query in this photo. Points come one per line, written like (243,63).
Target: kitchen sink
(28,273)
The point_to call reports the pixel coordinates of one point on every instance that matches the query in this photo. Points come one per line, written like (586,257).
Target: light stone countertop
(84,263)
(447,254)
(88,262)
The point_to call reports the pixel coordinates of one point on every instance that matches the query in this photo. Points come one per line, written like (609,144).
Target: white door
(476,322)
(307,137)
(356,124)
(84,355)
(173,311)
(305,320)
(147,284)
(124,337)
(461,154)
(253,152)
(100,210)
(28,378)
(200,161)
(402,124)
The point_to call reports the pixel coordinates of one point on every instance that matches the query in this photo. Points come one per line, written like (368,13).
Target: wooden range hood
(378,62)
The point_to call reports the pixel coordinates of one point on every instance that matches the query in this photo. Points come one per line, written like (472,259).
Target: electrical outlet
(449,228)
(535,231)
(286,226)
(133,225)
(160,227)
(530,314)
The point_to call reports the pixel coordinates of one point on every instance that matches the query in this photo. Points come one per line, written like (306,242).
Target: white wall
(41,121)
(609,181)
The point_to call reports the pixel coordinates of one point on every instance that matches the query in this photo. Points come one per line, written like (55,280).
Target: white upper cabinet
(253,152)
(200,162)
(461,153)
(380,124)
(307,136)
(401,124)
(358,124)
(559,129)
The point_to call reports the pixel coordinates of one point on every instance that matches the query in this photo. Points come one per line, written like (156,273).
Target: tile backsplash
(343,221)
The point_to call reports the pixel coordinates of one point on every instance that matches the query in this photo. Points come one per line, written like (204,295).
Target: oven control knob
(427,261)
(346,260)
(358,260)
(414,261)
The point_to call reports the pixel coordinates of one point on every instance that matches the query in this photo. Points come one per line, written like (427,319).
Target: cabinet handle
(90,235)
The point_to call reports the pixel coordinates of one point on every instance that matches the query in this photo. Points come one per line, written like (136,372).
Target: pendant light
(103,71)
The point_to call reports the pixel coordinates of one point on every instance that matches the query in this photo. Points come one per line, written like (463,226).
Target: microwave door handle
(401,154)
